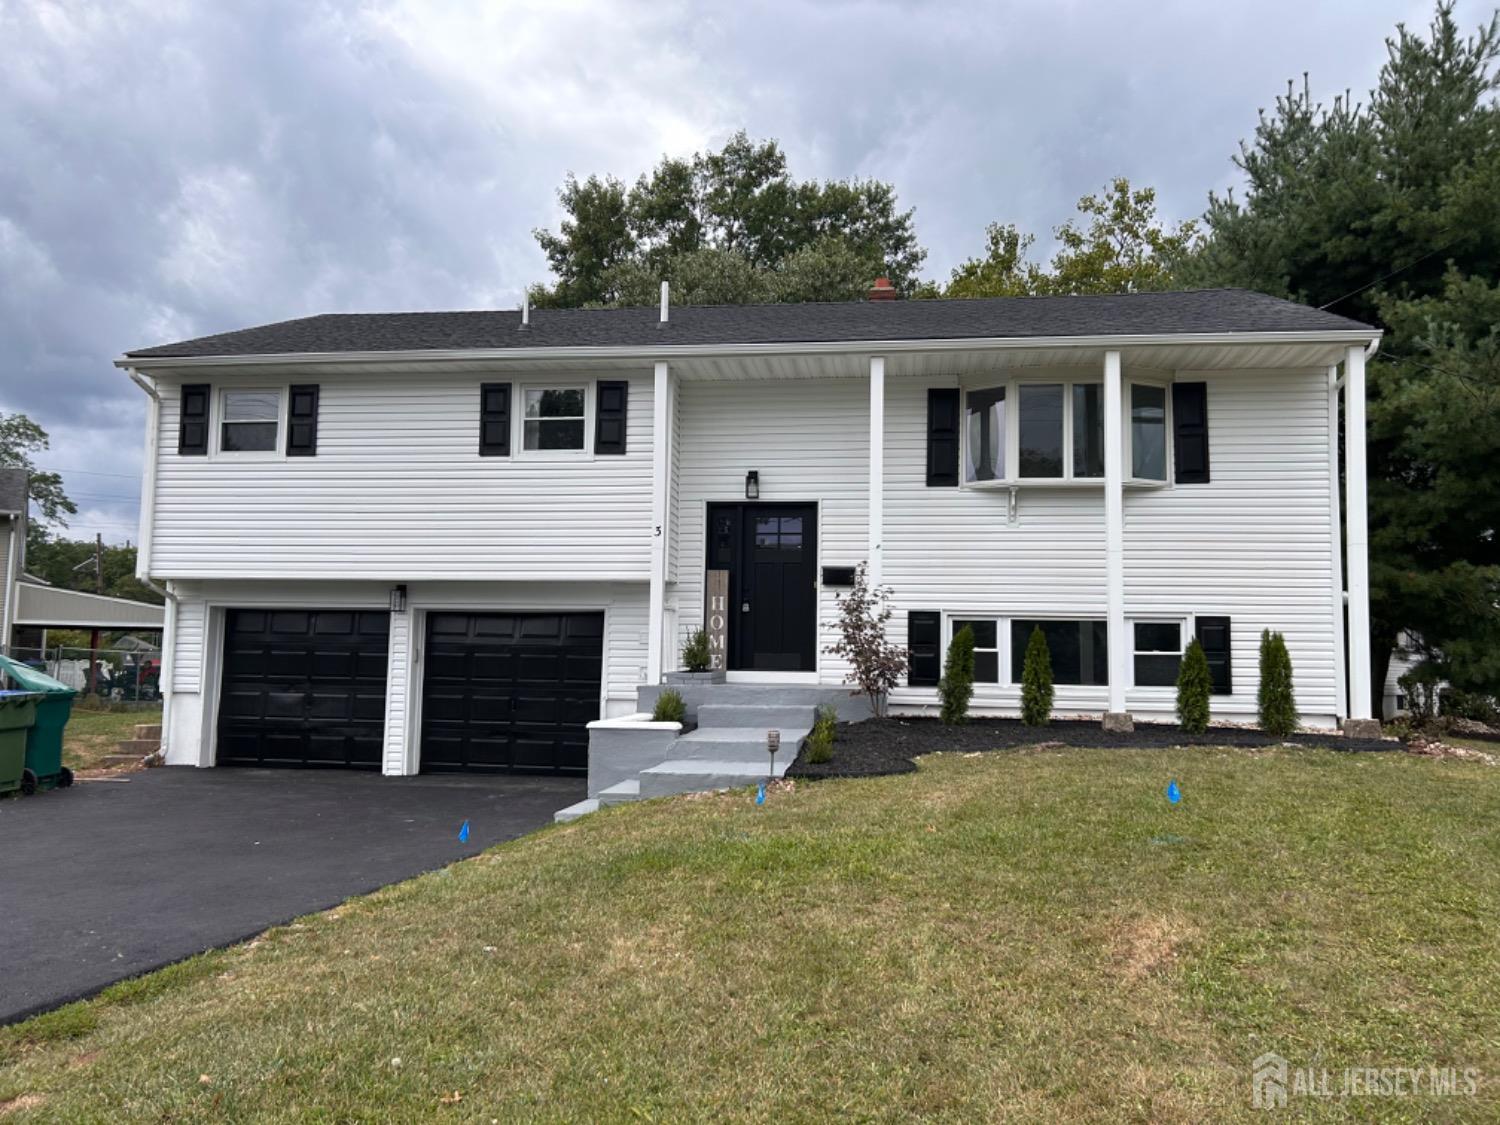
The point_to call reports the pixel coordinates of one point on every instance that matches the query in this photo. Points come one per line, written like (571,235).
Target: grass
(1026,936)
(90,735)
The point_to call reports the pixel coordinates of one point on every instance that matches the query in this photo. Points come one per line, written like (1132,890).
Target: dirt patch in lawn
(886,746)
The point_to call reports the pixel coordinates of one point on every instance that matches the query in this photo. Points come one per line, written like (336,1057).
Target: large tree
(726,227)
(1388,211)
(20,440)
(1123,248)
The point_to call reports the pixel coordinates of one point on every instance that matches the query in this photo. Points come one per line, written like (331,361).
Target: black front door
(771,554)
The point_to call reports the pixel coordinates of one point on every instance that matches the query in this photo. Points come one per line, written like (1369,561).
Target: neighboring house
(423,541)
(27,602)
(1405,656)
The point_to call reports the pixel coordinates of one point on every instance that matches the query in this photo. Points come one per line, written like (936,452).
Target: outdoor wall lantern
(752,485)
(398,598)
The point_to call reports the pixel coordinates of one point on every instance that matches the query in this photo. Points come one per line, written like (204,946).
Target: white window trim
(216,418)
(1185,632)
(518,425)
(1001,657)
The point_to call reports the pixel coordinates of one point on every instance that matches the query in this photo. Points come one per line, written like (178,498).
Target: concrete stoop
(727,750)
(145,744)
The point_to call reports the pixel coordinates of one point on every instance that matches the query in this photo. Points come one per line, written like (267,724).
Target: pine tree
(1276,700)
(1036,681)
(957,684)
(1194,685)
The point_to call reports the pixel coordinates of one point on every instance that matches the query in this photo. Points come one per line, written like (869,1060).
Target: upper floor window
(1056,430)
(985,447)
(249,421)
(1041,420)
(1148,432)
(555,418)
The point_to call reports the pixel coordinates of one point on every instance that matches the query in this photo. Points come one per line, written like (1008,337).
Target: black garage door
(303,688)
(510,692)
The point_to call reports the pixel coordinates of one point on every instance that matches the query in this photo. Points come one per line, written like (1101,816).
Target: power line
(93,473)
(1370,285)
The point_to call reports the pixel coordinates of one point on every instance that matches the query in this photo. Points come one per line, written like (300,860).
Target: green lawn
(1011,936)
(90,735)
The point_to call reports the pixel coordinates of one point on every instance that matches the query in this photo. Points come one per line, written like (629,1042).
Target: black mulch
(886,746)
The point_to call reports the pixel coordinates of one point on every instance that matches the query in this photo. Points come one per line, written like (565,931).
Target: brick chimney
(882,290)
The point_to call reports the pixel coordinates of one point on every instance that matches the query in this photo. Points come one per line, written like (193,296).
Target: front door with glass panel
(771,554)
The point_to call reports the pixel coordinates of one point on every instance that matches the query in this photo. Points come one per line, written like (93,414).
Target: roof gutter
(135,364)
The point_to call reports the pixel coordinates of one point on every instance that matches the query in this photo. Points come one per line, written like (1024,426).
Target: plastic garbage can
(17,714)
(43,768)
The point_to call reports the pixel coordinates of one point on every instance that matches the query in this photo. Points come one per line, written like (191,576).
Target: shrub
(1036,681)
(670,707)
(695,656)
(957,685)
(1194,685)
(1420,684)
(876,665)
(1276,701)
(1468,705)
(820,741)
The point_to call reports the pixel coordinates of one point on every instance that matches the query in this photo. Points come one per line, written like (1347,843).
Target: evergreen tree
(1194,686)
(957,685)
(1388,211)
(1275,700)
(1036,681)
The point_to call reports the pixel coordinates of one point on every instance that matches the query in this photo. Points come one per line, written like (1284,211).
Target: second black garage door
(303,688)
(510,692)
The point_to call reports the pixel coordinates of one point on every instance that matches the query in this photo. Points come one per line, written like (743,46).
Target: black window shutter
(1190,432)
(1213,635)
(924,647)
(302,421)
(494,420)
(609,417)
(942,438)
(192,423)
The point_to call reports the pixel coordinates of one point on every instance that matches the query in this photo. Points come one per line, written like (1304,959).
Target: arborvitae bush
(957,685)
(820,741)
(1194,686)
(1036,681)
(695,656)
(670,707)
(1277,703)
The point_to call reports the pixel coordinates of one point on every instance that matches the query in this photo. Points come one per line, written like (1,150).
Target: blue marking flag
(1173,793)
(760,794)
(463,833)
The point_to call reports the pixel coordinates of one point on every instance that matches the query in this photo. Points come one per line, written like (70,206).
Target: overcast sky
(170,168)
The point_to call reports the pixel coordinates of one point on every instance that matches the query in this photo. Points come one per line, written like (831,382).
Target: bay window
(1088,429)
(1148,432)
(1041,430)
(984,422)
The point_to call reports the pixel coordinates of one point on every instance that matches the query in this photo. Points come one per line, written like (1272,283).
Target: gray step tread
(631,787)
(750,770)
(573,812)
(756,735)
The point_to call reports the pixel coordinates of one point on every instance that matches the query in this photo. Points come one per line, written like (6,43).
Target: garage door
(303,688)
(510,692)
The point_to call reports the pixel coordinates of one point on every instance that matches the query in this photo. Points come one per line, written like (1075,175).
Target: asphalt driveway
(111,879)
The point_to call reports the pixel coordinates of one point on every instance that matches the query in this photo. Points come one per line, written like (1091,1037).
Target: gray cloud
(168,170)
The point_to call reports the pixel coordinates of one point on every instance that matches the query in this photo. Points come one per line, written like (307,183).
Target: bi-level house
(448,541)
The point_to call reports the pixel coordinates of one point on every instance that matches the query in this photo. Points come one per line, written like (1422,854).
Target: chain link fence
(113,675)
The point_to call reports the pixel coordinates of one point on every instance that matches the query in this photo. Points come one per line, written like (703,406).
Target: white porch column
(661,477)
(1357,536)
(1336,550)
(1114,541)
(877,471)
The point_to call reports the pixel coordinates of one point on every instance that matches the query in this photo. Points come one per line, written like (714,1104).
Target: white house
(426,541)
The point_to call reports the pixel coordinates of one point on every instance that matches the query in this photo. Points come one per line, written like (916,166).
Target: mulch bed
(886,746)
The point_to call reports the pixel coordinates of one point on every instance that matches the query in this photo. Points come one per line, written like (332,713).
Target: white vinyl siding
(810,443)
(399,492)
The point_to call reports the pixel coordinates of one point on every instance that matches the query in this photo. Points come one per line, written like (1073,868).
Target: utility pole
(98,589)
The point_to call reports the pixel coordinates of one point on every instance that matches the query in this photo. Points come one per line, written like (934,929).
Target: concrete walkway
(110,879)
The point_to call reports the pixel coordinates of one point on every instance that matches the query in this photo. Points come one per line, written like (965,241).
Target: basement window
(1079,650)
(1158,653)
(249,421)
(986,647)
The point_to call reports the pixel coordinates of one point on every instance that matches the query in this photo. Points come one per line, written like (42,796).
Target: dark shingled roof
(1133,314)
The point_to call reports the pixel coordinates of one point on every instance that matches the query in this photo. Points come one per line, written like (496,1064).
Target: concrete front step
(620,792)
(701,775)
(851,708)
(763,716)
(573,812)
(150,731)
(139,747)
(737,743)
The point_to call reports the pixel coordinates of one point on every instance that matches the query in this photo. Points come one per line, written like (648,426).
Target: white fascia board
(654,352)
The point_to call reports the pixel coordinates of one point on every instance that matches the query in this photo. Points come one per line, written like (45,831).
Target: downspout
(17,526)
(143,549)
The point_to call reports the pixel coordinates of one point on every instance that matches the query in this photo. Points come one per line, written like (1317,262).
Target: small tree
(695,655)
(670,707)
(1276,701)
(820,741)
(957,685)
(1036,681)
(1194,685)
(875,664)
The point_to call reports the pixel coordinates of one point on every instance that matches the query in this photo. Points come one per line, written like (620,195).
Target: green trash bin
(17,714)
(43,768)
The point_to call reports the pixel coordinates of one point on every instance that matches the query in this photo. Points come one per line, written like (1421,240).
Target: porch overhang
(49,607)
